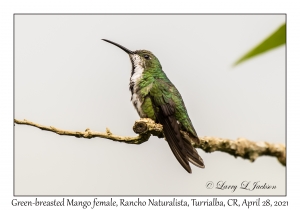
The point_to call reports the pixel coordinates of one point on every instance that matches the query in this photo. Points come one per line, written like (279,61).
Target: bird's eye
(147,56)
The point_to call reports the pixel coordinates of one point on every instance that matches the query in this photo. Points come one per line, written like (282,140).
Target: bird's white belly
(137,103)
(136,100)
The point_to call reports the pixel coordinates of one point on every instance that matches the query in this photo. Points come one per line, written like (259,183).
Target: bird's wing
(182,115)
(164,108)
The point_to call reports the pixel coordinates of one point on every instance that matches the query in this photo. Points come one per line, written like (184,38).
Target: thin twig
(145,127)
(89,133)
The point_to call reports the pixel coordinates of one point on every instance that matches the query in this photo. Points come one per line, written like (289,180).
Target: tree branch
(145,127)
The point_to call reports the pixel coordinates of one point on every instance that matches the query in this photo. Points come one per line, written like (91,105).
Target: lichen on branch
(146,127)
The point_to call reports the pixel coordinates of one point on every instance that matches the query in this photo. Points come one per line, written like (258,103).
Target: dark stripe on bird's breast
(132,70)
(131,86)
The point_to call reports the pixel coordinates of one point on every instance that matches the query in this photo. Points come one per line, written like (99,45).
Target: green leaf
(274,40)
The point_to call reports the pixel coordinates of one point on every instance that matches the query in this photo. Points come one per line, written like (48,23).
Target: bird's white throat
(138,68)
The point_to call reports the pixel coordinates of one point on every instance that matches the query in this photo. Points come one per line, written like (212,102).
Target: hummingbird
(154,96)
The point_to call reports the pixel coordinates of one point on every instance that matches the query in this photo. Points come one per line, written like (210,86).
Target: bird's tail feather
(181,147)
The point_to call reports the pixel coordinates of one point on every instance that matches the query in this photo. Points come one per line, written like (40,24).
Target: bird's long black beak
(120,46)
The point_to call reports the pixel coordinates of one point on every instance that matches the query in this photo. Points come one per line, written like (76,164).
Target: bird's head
(140,58)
